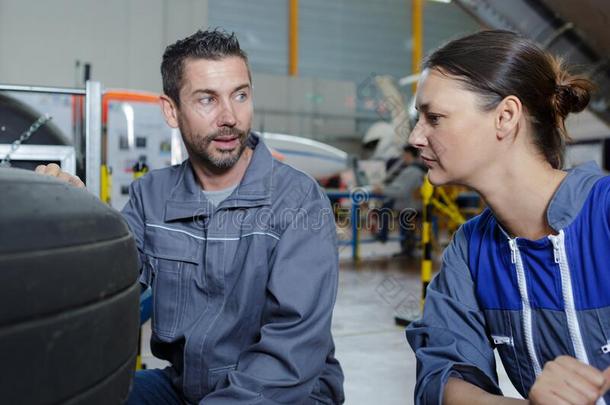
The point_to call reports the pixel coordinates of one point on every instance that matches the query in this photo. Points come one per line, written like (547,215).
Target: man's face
(215,112)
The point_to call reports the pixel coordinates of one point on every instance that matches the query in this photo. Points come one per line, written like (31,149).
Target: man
(239,249)
(402,190)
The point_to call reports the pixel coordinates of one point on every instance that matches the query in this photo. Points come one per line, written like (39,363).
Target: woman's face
(456,137)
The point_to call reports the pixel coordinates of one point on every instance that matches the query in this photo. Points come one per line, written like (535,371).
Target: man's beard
(200,148)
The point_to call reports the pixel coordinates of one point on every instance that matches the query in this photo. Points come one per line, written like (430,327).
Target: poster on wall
(137,132)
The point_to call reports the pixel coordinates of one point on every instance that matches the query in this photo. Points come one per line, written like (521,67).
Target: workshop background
(333,88)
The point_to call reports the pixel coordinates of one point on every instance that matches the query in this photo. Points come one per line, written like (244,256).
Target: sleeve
(450,339)
(133,213)
(295,339)
(399,187)
(405,184)
(608,204)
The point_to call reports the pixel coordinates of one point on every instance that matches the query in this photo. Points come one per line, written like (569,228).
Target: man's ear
(170,111)
(508,114)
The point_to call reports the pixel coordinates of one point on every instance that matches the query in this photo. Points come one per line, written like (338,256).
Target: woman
(529,276)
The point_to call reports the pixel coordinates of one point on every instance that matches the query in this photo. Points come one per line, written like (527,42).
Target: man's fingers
(75,181)
(53,170)
(65,177)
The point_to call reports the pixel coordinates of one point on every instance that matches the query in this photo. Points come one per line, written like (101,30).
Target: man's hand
(54,170)
(567,381)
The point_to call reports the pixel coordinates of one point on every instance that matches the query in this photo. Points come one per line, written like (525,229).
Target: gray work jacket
(531,300)
(405,186)
(243,293)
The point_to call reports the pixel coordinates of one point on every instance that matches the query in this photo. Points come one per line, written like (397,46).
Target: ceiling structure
(574,30)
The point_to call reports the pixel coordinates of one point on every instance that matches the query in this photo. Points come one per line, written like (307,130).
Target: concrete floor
(378,364)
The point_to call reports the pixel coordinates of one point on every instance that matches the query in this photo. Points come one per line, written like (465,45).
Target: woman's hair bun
(572,92)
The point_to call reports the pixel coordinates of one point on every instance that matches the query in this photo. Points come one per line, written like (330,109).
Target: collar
(571,194)
(187,201)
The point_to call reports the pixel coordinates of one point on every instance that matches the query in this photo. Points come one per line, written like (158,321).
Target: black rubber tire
(16,116)
(69,296)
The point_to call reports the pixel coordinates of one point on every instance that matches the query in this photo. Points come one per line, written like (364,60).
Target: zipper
(568,297)
(527,310)
(504,340)
(559,251)
(513,251)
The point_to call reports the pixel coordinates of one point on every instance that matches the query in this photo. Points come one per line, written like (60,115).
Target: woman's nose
(417,137)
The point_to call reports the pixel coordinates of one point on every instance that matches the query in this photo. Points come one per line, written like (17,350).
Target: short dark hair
(496,64)
(213,44)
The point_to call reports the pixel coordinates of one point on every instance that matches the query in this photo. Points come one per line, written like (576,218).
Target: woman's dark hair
(212,45)
(496,64)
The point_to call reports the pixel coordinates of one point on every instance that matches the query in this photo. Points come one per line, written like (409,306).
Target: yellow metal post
(139,170)
(417,24)
(426,191)
(139,365)
(105,184)
(293,40)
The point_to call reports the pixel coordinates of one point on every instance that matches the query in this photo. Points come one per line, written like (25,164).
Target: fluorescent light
(441,1)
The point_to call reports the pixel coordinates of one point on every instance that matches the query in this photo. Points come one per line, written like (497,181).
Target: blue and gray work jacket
(532,300)
(243,292)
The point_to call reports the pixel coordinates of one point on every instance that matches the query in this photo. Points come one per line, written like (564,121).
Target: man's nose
(227,118)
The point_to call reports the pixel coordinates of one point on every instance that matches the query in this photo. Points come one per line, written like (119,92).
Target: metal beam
(41,89)
(535,19)
(93,137)
(293,40)
(417,22)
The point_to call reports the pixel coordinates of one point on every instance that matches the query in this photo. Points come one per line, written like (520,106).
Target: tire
(69,296)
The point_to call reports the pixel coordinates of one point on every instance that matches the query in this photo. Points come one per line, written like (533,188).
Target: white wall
(40,41)
(304,106)
(123,40)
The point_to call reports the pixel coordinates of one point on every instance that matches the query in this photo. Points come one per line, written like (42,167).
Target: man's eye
(241,97)
(206,100)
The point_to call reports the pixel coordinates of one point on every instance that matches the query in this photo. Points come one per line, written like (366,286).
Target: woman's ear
(508,115)
(170,111)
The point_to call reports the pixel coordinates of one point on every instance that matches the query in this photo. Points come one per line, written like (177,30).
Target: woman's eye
(433,119)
